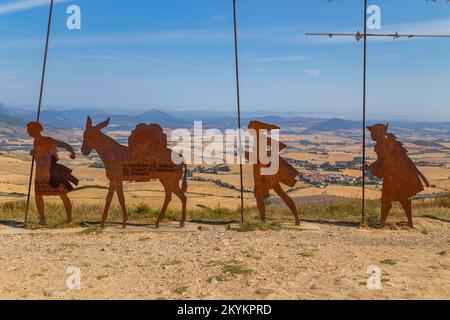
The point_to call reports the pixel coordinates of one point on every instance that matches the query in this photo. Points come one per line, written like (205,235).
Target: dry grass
(345,211)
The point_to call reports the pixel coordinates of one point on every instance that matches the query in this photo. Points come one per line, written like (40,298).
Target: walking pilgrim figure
(52,178)
(263,183)
(364,36)
(401,178)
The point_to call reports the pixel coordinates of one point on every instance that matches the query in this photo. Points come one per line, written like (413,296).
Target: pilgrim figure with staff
(52,178)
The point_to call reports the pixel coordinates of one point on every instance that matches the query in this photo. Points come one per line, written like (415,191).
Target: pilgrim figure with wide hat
(263,183)
(401,178)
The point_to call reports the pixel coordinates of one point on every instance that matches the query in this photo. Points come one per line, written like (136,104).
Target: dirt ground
(317,261)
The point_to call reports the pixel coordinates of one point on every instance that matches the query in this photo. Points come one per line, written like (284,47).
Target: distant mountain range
(13,120)
(76,118)
(334,124)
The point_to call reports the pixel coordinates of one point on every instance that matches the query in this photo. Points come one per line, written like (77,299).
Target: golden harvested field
(210,190)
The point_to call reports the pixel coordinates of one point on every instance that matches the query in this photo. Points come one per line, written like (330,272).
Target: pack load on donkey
(148,153)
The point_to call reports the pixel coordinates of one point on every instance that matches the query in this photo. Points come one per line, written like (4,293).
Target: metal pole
(238,97)
(38,117)
(359,37)
(363,212)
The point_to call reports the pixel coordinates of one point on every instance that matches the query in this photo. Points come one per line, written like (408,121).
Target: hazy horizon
(327,114)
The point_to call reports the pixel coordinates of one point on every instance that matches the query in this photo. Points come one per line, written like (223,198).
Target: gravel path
(327,261)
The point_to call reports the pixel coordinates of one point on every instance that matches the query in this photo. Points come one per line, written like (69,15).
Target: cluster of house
(355,164)
(322,175)
(321,180)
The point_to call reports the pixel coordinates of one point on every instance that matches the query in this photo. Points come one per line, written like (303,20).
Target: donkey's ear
(104,124)
(88,123)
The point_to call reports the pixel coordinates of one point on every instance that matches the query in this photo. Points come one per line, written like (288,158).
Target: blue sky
(178,55)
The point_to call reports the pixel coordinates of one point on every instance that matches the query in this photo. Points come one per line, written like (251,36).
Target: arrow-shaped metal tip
(359,36)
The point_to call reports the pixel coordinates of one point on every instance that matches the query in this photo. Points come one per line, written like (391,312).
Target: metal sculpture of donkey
(147,157)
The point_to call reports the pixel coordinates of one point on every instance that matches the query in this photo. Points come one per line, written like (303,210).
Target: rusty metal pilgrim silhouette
(146,158)
(365,36)
(286,174)
(401,178)
(52,178)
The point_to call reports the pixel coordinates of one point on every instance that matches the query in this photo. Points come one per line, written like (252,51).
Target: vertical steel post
(38,117)
(363,200)
(238,97)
